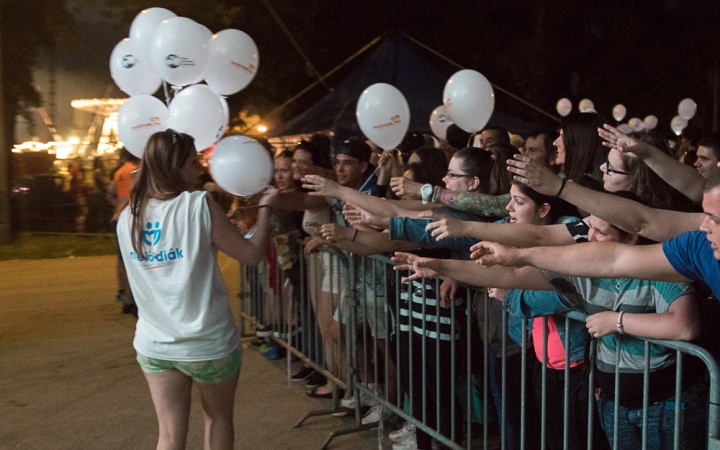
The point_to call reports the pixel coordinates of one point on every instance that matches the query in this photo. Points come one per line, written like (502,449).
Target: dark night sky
(627,50)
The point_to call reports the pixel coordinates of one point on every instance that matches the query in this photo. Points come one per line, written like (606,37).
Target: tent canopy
(395,63)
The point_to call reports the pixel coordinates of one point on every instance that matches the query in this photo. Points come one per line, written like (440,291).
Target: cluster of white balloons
(384,116)
(686,111)
(183,53)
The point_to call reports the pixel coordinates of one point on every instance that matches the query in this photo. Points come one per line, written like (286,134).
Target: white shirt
(183,308)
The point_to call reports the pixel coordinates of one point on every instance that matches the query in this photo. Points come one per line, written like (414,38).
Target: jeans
(661,422)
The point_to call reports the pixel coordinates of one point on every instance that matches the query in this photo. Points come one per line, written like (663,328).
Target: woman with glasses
(169,236)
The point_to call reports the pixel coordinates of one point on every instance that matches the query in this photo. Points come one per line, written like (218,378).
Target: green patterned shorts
(205,372)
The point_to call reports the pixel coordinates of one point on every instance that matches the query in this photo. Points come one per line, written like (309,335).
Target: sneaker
(263,331)
(302,374)
(409,443)
(286,332)
(365,400)
(258,342)
(398,435)
(375,413)
(315,379)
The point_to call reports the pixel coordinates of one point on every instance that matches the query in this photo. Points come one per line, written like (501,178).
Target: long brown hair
(159,176)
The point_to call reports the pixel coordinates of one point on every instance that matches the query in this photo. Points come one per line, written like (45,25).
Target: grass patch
(58,245)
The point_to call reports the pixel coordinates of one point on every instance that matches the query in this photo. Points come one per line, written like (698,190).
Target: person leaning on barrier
(617,306)
(169,235)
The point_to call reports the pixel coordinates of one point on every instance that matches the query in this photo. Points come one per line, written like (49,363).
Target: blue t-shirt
(691,255)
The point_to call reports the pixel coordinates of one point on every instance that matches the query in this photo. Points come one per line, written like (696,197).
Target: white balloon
(132,76)
(469,99)
(619,112)
(142,29)
(198,111)
(383,115)
(440,121)
(687,108)
(139,118)
(241,166)
(564,106)
(586,105)
(677,124)
(636,124)
(625,128)
(232,61)
(650,122)
(179,51)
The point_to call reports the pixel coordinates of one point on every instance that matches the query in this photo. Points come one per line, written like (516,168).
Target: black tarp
(396,63)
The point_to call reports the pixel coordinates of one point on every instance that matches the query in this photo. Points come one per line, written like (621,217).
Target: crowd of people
(619,227)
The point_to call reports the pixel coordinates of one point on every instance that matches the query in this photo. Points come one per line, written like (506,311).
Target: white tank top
(183,308)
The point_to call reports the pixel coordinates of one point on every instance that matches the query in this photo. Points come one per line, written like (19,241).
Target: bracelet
(620,328)
(263,206)
(436,193)
(354,235)
(562,186)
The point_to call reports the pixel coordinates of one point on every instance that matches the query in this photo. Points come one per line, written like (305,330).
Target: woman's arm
(518,235)
(680,322)
(628,215)
(591,260)
(363,243)
(470,273)
(678,175)
(227,238)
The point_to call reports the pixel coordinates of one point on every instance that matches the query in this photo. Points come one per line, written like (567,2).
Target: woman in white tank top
(169,237)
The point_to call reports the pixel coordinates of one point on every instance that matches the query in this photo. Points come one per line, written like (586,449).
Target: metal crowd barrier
(412,361)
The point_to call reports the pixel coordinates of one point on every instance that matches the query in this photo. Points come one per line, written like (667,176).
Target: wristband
(354,235)
(436,193)
(263,206)
(562,186)
(620,328)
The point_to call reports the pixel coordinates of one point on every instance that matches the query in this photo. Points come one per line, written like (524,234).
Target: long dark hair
(432,166)
(652,190)
(159,176)
(558,206)
(584,152)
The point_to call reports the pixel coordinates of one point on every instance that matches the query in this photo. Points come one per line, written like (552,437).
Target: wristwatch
(426,191)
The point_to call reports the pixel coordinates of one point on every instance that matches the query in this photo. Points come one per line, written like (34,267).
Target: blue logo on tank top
(152,236)
(157,257)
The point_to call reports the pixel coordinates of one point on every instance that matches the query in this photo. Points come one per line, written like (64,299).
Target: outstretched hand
(268,197)
(535,175)
(614,138)
(405,188)
(320,186)
(423,267)
(493,254)
(333,232)
(443,226)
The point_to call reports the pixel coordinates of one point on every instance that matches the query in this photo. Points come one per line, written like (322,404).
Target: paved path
(69,380)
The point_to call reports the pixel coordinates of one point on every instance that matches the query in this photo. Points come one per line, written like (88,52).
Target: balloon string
(167,95)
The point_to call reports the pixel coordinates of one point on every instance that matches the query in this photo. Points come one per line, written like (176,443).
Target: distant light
(261,128)
(73,140)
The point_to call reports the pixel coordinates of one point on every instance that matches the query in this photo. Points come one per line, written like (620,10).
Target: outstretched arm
(470,273)
(518,235)
(678,175)
(591,260)
(628,215)
(363,243)
(298,201)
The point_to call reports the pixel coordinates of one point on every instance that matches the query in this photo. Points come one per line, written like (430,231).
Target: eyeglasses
(456,175)
(609,169)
